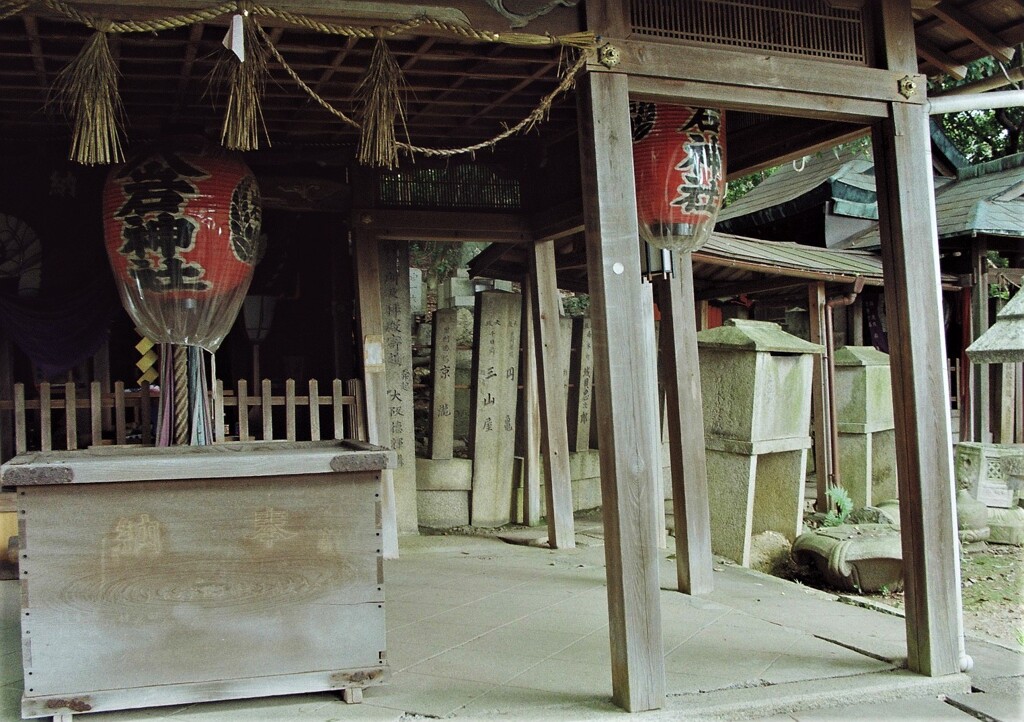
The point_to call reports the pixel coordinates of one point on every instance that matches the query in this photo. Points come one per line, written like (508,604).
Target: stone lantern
(867,436)
(756,383)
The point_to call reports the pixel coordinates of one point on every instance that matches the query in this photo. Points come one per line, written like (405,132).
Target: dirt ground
(992,581)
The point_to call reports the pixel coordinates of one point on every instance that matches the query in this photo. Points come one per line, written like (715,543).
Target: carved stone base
(864,557)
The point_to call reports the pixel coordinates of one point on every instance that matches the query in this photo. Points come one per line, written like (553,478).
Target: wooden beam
(454,226)
(532,432)
(779,140)
(471,13)
(554,432)
(371,329)
(972,27)
(627,412)
(755,100)
(906,205)
(941,60)
(980,374)
(757,70)
(770,284)
(820,411)
(681,373)
(38,63)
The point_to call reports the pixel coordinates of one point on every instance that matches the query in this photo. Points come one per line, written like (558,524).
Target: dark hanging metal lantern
(679,170)
(183,237)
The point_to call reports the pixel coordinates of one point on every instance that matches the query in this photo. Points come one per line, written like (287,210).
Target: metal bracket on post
(609,56)
(907,87)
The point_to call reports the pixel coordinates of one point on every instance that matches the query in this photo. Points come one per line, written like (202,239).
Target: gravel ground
(992,581)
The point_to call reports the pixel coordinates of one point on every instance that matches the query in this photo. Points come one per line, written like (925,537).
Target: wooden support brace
(352,695)
(531,411)
(554,432)
(820,412)
(690,505)
(371,324)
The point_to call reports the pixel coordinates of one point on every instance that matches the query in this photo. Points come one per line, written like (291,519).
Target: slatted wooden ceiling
(458,92)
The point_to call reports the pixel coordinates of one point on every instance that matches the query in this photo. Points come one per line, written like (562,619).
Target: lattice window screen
(460,186)
(799,27)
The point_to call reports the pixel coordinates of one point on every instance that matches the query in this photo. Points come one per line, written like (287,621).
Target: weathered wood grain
(627,414)
(820,411)
(200,589)
(371,329)
(746,69)
(314,410)
(902,154)
(552,362)
(687,454)
(108,464)
(531,432)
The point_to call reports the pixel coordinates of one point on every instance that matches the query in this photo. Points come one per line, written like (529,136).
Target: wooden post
(242,396)
(554,432)
(820,412)
(910,258)
(531,429)
(1018,437)
(980,373)
(314,410)
(267,409)
(681,373)
(627,413)
(965,401)
(855,322)
(371,329)
(101,373)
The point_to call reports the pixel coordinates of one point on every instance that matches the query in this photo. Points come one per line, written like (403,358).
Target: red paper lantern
(183,237)
(679,170)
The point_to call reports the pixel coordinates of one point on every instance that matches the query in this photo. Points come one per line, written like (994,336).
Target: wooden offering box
(177,575)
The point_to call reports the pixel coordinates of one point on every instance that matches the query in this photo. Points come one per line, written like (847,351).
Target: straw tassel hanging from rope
(379,101)
(87,91)
(244,71)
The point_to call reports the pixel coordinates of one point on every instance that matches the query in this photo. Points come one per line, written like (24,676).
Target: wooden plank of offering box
(190,574)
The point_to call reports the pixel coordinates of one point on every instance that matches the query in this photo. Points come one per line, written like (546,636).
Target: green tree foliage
(739,187)
(983,135)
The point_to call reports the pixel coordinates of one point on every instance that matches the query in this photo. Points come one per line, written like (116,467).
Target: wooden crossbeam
(941,60)
(973,28)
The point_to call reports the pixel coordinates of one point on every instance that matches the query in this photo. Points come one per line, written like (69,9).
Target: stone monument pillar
(756,383)
(867,436)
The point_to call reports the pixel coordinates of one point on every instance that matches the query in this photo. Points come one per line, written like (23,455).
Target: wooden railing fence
(129,417)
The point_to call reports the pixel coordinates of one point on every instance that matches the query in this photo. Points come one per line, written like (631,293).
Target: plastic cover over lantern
(183,237)
(679,170)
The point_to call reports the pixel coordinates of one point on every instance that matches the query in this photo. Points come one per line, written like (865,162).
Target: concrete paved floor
(480,629)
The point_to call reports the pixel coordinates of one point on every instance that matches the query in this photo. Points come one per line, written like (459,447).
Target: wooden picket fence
(128,417)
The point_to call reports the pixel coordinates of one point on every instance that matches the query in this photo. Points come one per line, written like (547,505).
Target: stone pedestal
(756,383)
(867,437)
(971,522)
(993,473)
(1006,526)
(861,558)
